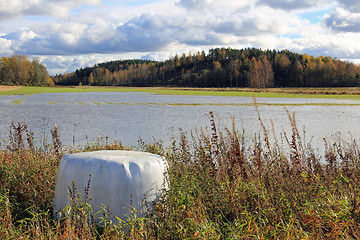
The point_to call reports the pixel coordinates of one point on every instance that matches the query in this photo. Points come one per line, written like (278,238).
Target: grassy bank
(220,188)
(332,93)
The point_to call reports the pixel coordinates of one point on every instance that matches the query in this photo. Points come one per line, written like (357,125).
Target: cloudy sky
(69,34)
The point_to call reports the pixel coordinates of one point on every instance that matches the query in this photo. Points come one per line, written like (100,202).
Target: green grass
(252,94)
(170,91)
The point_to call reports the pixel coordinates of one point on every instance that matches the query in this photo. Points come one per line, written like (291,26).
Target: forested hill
(221,68)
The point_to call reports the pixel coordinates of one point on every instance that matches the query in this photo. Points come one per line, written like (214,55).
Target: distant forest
(220,67)
(18,70)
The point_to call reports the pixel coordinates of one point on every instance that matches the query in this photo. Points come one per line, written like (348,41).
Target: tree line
(18,70)
(221,67)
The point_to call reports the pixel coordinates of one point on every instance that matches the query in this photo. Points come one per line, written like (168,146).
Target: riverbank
(329,93)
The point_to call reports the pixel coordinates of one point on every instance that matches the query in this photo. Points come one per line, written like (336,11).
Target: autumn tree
(297,75)
(282,67)
(99,76)
(91,79)
(268,73)
(255,74)
(176,61)
(23,69)
(108,77)
(7,74)
(217,76)
(40,75)
(19,70)
(261,74)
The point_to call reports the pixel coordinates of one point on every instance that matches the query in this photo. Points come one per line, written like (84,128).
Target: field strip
(216,104)
(346,94)
(9,88)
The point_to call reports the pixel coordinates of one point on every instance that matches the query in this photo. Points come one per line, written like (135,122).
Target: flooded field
(84,118)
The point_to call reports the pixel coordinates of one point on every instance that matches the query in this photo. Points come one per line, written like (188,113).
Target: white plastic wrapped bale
(118,179)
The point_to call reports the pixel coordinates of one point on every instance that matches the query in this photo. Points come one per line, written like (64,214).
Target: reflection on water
(126,117)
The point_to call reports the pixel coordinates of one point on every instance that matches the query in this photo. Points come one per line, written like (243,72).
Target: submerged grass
(99,103)
(19,101)
(221,187)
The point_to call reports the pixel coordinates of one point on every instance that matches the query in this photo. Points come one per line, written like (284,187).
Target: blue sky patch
(291,36)
(315,16)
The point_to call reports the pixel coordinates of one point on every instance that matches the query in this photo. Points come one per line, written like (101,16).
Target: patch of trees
(18,70)
(221,67)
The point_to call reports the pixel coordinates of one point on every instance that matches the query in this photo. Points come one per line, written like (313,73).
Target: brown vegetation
(221,187)
(9,88)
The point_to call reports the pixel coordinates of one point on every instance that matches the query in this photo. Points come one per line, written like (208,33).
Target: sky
(70,34)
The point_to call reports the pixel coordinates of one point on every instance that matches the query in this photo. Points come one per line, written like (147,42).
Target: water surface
(126,117)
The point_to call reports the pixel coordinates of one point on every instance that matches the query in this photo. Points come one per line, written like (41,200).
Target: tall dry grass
(221,187)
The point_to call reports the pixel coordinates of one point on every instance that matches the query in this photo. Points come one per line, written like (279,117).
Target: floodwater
(84,118)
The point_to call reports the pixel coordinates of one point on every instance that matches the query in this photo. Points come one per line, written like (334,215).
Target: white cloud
(292,4)
(319,41)
(355,61)
(5,47)
(17,8)
(213,5)
(162,29)
(351,5)
(22,34)
(343,20)
(345,17)
(60,64)
(156,32)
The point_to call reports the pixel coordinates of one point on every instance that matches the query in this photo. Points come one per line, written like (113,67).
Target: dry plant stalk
(17,137)
(57,145)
